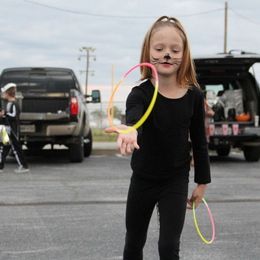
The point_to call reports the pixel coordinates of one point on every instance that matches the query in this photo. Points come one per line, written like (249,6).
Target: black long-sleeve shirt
(11,118)
(164,137)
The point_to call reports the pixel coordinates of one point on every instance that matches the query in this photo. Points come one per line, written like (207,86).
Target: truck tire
(88,141)
(223,150)
(76,150)
(251,153)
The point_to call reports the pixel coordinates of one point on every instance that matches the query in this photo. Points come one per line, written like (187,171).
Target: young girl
(161,158)
(11,120)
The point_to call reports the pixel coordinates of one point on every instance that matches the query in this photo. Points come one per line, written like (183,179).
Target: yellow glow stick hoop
(197,226)
(150,107)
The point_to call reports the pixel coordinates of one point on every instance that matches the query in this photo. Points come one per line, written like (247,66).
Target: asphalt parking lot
(63,211)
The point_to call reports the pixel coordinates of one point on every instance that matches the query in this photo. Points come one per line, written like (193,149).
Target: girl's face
(4,95)
(166,50)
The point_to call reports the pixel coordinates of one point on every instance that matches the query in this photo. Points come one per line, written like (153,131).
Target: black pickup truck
(232,91)
(53,109)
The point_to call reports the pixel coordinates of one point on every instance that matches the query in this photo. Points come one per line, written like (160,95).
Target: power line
(66,10)
(243,17)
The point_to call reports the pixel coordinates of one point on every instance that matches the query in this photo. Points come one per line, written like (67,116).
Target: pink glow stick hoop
(211,221)
(150,107)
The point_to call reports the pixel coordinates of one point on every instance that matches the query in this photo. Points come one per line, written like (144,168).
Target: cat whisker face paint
(166,60)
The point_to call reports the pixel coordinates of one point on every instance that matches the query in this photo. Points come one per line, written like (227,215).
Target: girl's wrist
(204,186)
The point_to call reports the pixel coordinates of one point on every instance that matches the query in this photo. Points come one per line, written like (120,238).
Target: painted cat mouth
(167,63)
(163,61)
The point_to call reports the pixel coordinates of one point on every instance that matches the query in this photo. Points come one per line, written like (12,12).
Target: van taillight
(74,106)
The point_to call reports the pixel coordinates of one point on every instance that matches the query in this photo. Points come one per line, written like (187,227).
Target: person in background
(10,116)
(209,114)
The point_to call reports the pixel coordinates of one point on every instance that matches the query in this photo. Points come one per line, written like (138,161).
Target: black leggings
(17,150)
(171,198)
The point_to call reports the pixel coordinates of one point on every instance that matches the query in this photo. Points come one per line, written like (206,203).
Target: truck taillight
(74,106)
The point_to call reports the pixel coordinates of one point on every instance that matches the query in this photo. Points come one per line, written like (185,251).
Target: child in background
(161,152)
(10,117)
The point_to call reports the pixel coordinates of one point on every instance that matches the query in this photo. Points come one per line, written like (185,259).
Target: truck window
(18,77)
(40,81)
(60,82)
(214,88)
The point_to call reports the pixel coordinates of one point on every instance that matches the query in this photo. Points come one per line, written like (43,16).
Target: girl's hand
(126,142)
(197,196)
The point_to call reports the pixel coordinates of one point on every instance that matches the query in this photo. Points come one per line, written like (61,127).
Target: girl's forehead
(166,33)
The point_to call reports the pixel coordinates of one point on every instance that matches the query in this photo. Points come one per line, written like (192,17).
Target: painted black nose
(167,56)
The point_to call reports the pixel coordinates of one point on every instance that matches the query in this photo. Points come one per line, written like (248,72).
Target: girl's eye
(158,48)
(175,51)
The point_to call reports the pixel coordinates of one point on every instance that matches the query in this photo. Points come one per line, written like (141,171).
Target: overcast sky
(50,32)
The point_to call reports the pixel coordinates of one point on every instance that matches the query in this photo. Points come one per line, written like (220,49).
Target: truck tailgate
(48,116)
(45,103)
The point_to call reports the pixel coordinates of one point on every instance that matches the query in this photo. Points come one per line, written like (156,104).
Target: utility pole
(225,27)
(112,85)
(87,55)
(112,77)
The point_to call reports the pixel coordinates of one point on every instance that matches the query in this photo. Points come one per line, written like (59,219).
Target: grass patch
(100,136)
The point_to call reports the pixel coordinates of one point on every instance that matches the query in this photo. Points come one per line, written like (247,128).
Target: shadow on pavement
(228,159)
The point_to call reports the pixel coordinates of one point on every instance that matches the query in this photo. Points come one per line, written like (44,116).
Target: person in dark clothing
(161,150)
(10,117)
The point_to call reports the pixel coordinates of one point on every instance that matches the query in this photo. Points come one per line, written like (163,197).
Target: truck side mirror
(95,96)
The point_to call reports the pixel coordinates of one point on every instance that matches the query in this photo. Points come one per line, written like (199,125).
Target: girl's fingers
(195,200)
(123,148)
(196,203)
(136,145)
(125,142)
(129,148)
(119,141)
(189,204)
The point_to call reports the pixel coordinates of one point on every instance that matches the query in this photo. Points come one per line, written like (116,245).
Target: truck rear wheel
(76,150)
(223,150)
(251,153)
(88,144)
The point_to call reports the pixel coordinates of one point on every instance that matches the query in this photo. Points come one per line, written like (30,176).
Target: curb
(105,146)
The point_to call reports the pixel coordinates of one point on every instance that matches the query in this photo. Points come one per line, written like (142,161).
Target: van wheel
(88,141)
(251,153)
(76,150)
(223,150)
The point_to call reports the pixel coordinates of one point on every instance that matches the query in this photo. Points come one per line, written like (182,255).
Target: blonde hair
(186,74)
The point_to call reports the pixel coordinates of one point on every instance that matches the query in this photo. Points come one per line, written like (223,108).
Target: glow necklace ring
(211,220)
(150,107)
